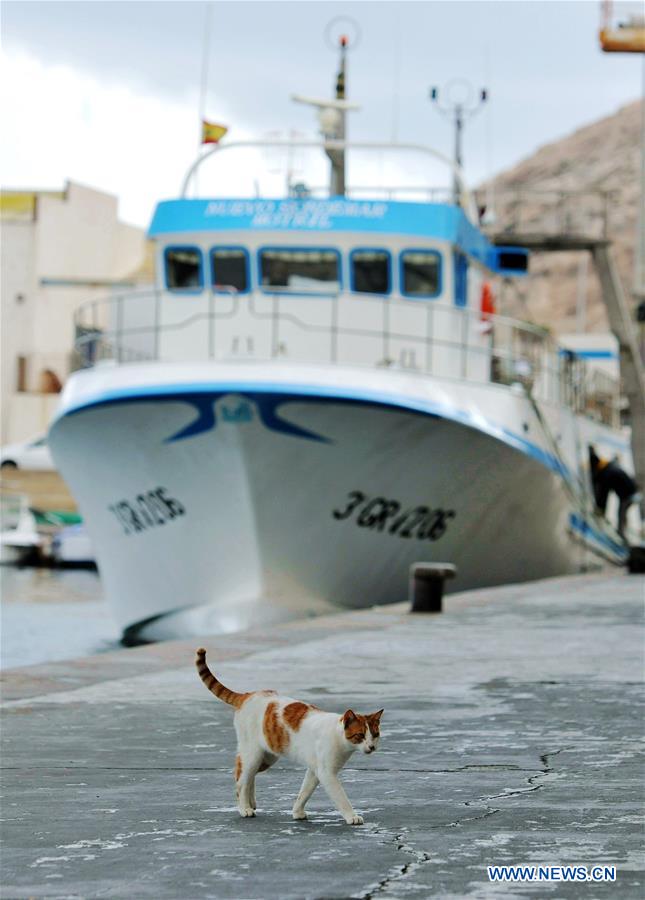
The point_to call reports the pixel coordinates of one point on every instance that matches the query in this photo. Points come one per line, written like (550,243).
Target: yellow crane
(621,34)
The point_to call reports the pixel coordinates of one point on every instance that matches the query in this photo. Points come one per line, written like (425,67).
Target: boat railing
(426,338)
(420,192)
(214,151)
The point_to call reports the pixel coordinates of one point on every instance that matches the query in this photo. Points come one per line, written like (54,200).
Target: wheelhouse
(429,251)
(350,282)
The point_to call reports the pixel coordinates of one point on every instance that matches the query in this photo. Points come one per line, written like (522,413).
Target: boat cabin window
(184,268)
(302,271)
(420,273)
(370,272)
(461,279)
(230,269)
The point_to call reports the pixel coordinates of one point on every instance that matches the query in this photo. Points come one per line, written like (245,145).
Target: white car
(32,454)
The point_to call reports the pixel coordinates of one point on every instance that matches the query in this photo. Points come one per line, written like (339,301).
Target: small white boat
(19,543)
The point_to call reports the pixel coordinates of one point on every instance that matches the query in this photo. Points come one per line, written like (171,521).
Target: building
(58,249)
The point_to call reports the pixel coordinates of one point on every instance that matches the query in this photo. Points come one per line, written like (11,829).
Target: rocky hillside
(578,183)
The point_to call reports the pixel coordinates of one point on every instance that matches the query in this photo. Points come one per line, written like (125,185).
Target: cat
(269,726)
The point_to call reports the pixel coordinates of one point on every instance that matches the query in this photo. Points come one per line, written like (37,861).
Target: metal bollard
(426,585)
(636,559)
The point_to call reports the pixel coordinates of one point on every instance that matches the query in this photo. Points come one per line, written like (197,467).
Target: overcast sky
(108,93)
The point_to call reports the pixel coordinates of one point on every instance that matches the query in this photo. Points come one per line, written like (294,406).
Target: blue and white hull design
(224,485)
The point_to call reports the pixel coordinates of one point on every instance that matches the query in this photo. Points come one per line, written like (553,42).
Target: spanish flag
(212,133)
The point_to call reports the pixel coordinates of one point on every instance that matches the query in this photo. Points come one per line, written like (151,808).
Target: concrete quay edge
(64,675)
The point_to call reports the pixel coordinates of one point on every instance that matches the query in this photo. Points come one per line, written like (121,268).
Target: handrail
(470,206)
(498,350)
(577,484)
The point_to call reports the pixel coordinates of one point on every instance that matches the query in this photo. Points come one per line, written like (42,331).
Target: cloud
(107,93)
(65,124)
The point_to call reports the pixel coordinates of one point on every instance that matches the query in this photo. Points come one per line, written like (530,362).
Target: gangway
(631,365)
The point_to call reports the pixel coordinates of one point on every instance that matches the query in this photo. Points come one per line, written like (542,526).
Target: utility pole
(460,104)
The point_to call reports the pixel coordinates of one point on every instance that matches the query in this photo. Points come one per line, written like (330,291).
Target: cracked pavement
(512,734)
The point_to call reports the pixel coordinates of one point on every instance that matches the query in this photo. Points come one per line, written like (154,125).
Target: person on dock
(608,476)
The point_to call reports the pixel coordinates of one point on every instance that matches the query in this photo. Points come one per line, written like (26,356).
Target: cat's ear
(349,716)
(377,715)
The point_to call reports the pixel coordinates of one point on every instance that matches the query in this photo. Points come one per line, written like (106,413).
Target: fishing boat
(318,393)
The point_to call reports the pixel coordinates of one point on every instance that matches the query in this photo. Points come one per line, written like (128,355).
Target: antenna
(203,85)
(460,105)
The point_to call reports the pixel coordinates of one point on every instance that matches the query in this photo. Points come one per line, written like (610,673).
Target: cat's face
(362,732)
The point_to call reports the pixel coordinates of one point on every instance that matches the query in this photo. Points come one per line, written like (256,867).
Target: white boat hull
(300,487)
(13,552)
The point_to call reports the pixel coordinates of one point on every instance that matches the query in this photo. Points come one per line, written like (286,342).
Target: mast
(332,116)
(337,157)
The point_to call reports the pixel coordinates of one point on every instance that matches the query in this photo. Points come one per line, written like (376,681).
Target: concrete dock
(511,735)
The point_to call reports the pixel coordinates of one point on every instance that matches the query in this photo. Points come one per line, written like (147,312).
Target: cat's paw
(354,820)
(247,813)
(299,814)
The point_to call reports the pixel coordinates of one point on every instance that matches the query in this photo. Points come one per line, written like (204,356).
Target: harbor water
(52,614)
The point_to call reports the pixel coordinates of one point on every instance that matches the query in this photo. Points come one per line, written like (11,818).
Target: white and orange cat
(269,726)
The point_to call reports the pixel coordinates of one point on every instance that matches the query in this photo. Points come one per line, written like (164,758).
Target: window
(512,260)
(230,268)
(370,271)
(461,279)
(21,374)
(302,271)
(184,269)
(421,273)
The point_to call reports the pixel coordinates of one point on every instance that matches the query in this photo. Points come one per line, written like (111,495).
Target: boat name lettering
(147,510)
(295,213)
(380,514)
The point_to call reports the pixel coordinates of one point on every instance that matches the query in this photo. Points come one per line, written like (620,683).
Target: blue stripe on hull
(269,397)
(272,395)
(588,531)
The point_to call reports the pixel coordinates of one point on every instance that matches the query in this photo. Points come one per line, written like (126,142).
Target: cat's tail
(214,686)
